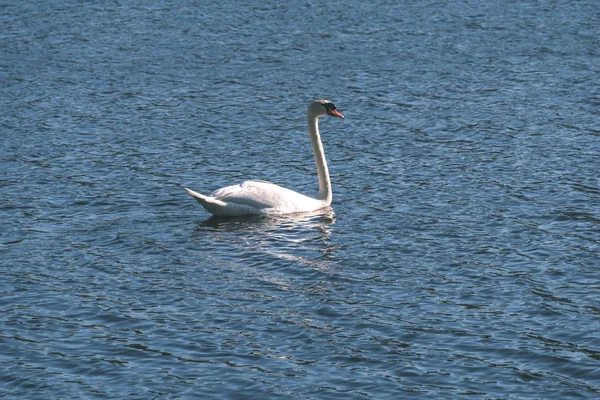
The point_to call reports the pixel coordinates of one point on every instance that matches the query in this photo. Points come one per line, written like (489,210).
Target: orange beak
(335,113)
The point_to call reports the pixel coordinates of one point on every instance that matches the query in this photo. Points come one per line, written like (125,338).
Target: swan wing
(219,207)
(256,198)
(258,195)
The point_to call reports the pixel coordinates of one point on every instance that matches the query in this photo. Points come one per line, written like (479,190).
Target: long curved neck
(315,140)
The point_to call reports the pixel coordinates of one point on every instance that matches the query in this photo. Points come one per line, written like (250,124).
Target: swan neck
(322,171)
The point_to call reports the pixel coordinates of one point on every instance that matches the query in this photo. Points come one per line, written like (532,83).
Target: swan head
(319,108)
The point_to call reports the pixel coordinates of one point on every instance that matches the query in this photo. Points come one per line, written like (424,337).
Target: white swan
(263,198)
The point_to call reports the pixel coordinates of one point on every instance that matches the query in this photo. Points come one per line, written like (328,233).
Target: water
(461,255)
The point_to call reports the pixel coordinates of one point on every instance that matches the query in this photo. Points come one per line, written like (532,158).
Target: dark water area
(461,257)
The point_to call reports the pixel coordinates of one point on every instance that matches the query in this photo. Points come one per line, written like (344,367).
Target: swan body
(264,198)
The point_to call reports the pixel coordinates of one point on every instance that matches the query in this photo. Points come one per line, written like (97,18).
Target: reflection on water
(324,216)
(302,237)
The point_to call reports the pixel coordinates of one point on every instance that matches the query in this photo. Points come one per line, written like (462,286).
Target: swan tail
(206,201)
(223,209)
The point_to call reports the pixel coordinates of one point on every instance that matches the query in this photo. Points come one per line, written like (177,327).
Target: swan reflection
(291,237)
(253,223)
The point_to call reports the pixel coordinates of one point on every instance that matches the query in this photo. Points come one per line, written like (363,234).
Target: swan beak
(335,113)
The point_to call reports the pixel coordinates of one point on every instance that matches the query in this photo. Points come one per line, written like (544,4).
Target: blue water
(462,255)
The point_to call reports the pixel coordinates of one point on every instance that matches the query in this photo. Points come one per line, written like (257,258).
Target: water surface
(460,256)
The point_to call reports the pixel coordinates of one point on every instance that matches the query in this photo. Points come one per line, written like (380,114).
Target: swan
(264,198)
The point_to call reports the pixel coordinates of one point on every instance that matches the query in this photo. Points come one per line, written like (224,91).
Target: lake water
(461,257)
